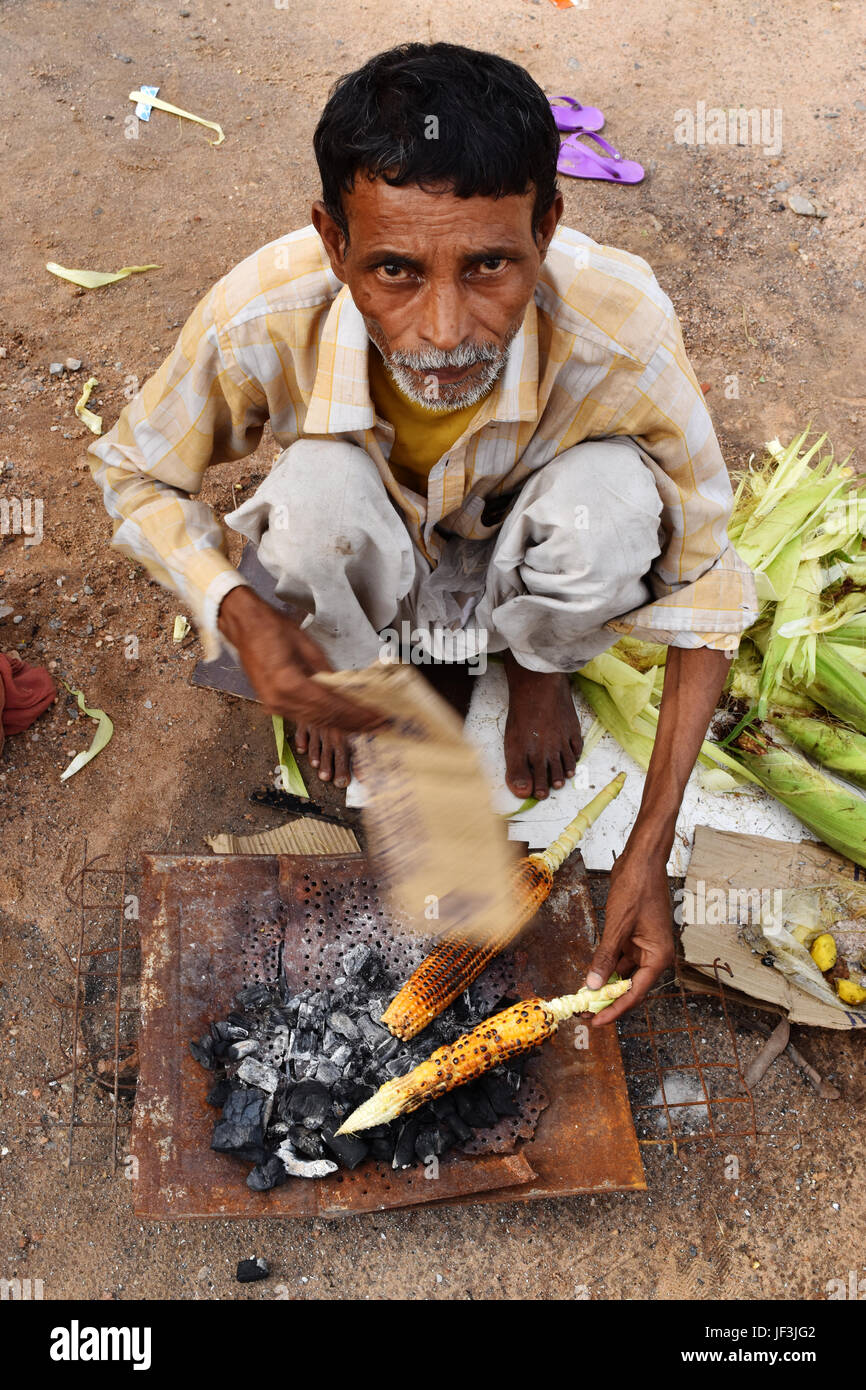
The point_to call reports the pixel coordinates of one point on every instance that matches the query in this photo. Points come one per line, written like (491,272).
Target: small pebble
(73,364)
(249,1271)
(56,369)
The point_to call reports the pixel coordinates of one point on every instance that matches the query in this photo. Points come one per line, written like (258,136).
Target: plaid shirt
(279,339)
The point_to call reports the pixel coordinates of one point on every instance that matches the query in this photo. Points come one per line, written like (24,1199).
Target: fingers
(641,982)
(603,963)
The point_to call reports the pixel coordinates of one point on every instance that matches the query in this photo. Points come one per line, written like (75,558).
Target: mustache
(439,359)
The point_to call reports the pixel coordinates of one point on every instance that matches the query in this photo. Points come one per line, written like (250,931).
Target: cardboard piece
(304,836)
(723,868)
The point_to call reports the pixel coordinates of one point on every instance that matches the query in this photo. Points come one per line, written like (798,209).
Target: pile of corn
(798,683)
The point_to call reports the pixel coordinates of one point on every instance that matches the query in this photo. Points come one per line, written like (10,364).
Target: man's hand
(280,659)
(638,936)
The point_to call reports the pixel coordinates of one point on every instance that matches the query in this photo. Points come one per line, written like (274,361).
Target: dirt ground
(772,310)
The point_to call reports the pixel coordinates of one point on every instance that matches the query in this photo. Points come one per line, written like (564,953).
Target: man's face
(442,282)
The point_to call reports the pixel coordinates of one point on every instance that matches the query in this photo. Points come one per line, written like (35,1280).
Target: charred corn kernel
(823,951)
(516,1029)
(454,963)
(848,992)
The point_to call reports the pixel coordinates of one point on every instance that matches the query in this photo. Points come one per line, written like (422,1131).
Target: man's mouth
(450,374)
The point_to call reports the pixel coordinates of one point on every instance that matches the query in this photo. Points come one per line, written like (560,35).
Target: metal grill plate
(210,924)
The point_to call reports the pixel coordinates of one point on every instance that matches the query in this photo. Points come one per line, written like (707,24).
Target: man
(486,426)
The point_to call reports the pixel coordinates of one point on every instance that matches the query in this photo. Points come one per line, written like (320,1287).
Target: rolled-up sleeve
(196,410)
(703,592)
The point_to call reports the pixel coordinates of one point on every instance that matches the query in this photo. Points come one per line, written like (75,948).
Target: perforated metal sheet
(211,924)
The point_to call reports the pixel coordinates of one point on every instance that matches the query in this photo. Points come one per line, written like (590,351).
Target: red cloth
(26,692)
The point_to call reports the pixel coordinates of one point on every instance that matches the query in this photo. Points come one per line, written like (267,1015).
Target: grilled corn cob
(454,962)
(516,1029)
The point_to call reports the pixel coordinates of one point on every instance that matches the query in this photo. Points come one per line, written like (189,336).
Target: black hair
(438,114)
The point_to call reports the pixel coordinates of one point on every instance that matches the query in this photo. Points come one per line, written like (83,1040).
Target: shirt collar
(340,402)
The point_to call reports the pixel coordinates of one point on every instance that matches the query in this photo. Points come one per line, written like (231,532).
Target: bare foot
(542,733)
(328,750)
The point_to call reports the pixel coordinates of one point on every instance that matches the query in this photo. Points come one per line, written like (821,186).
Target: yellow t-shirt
(421,436)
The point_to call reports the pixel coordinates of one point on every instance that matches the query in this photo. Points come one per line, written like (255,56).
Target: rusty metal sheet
(210,924)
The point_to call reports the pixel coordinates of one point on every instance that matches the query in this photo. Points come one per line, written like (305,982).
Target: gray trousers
(572,552)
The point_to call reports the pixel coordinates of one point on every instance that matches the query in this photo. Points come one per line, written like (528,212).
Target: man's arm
(638,935)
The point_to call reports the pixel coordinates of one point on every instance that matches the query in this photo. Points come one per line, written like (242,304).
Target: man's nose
(443,320)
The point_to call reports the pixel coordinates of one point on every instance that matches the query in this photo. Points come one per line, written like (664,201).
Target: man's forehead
(383,213)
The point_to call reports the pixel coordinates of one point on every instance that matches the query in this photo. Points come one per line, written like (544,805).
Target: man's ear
(333,238)
(548,224)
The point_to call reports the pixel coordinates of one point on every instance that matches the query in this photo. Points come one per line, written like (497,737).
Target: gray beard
(443,396)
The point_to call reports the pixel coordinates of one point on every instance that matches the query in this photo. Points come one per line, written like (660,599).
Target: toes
(519,778)
(557,776)
(341,765)
(539,772)
(302,737)
(315,747)
(326,765)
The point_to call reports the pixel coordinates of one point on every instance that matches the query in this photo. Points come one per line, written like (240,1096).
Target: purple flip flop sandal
(580,161)
(574,117)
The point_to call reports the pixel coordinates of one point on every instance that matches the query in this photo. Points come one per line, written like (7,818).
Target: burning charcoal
(310,1103)
(305,1142)
(219,1093)
(241,1129)
(430,1142)
(358,956)
(304,1168)
(386,1051)
(248,1047)
(404,1149)
(253,997)
(342,1057)
(499,1093)
(341,1023)
(348,1148)
(264,1176)
(474,1108)
(251,1270)
(382,1150)
(256,1073)
(372,1033)
(203,1052)
(327,1072)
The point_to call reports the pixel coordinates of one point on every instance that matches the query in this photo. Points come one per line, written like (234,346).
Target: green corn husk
(836,815)
(834,746)
(838,686)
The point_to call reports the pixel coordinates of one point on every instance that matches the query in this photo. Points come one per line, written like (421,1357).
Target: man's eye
(391,271)
(492,265)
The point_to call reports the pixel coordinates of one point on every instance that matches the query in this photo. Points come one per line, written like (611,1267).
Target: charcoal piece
(348,1148)
(241,1128)
(340,1022)
(290,1009)
(221,1049)
(310,1103)
(331,1041)
(219,1093)
(203,1052)
(342,1057)
(254,996)
(229,1032)
(327,1072)
(247,1047)
(354,959)
(278,1129)
(431,1141)
(307,1015)
(459,1128)
(305,1142)
(382,1150)
(443,1107)
(379,1132)
(256,1073)
(371,971)
(303,1167)
(462,1007)
(386,1050)
(404,1149)
(499,1093)
(250,1270)
(264,1176)
(474,1108)
(236,1019)
(303,1044)
(372,1033)
(376,1006)
(321,1001)
(398,1066)
(279,1018)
